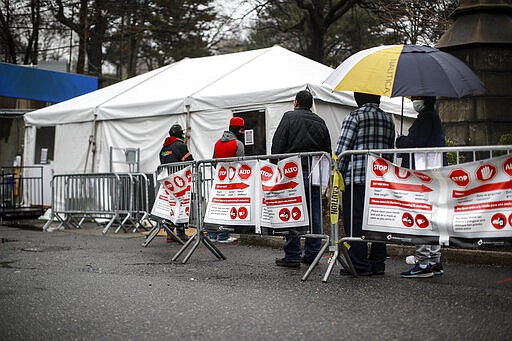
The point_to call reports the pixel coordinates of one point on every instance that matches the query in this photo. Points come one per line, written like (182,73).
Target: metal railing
(456,156)
(21,192)
(123,199)
(204,172)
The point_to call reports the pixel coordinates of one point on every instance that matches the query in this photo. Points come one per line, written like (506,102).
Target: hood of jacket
(227,136)
(170,140)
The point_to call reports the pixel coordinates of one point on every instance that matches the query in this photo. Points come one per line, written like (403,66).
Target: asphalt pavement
(78,284)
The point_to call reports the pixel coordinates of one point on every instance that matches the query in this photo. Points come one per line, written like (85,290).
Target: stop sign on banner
(244,172)
(486,172)
(179,181)
(266,173)
(223,173)
(380,167)
(291,170)
(460,177)
(507,166)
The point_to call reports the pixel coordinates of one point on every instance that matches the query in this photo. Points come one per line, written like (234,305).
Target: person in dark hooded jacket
(426,131)
(175,150)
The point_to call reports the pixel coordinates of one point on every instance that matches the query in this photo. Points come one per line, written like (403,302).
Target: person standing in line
(174,150)
(367,127)
(229,145)
(426,131)
(301,130)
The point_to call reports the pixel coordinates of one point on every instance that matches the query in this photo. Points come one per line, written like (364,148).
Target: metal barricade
(118,198)
(204,175)
(76,197)
(161,222)
(454,155)
(21,192)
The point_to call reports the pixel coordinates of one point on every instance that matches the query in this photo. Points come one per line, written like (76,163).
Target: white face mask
(419,105)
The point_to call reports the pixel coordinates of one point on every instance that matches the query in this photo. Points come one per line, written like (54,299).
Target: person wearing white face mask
(426,131)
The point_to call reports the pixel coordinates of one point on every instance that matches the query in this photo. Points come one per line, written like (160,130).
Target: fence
(466,187)
(241,212)
(126,198)
(117,198)
(161,216)
(21,192)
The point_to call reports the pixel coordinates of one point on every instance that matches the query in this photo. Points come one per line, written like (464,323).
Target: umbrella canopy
(405,70)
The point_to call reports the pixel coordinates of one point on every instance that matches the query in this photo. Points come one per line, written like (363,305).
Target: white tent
(199,93)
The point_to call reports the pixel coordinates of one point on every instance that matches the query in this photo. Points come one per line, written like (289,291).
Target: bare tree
(92,24)
(418,21)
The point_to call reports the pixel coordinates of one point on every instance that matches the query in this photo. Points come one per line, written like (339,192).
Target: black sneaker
(287,263)
(418,272)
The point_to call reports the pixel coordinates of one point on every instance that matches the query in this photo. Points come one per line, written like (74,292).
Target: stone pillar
(481,36)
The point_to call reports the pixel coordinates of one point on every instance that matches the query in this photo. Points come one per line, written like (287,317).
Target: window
(256,140)
(45,140)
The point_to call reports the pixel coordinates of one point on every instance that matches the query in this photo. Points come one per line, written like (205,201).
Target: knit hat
(176,130)
(236,122)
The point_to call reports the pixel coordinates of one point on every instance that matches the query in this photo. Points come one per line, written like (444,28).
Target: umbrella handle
(402,117)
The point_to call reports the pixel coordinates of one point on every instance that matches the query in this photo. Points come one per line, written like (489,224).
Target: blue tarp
(43,85)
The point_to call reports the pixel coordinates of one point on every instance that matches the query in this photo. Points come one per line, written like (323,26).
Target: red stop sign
(460,177)
(291,169)
(507,166)
(380,167)
(222,173)
(266,173)
(486,172)
(244,172)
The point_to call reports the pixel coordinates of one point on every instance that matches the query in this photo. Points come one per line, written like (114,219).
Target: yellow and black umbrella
(405,70)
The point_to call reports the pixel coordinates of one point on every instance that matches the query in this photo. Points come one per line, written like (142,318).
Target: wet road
(80,285)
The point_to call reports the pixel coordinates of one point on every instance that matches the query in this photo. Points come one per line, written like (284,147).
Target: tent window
(45,140)
(256,142)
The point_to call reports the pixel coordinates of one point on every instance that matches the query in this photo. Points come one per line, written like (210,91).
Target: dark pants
(312,246)
(358,252)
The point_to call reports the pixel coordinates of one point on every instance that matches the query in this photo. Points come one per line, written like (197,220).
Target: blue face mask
(419,105)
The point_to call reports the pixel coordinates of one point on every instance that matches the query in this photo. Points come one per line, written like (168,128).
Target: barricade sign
(465,204)
(258,196)
(173,199)
(233,197)
(283,202)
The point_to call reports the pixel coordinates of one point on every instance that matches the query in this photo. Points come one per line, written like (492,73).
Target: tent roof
(248,78)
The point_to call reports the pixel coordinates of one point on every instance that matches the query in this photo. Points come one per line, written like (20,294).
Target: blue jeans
(291,247)
(358,252)
(219,235)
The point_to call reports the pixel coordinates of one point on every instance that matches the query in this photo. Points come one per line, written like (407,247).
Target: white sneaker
(228,241)
(410,260)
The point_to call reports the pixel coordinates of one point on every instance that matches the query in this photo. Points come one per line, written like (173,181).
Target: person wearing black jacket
(426,131)
(175,150)
(301,130)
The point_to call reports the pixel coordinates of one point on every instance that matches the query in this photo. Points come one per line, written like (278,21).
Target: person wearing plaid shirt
(367,127)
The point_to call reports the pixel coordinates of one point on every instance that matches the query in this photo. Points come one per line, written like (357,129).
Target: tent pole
(92,145)
(189,129)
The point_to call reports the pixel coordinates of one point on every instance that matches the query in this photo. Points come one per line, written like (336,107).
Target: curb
(450,254)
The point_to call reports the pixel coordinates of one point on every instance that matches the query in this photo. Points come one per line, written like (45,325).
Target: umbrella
(405,70)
